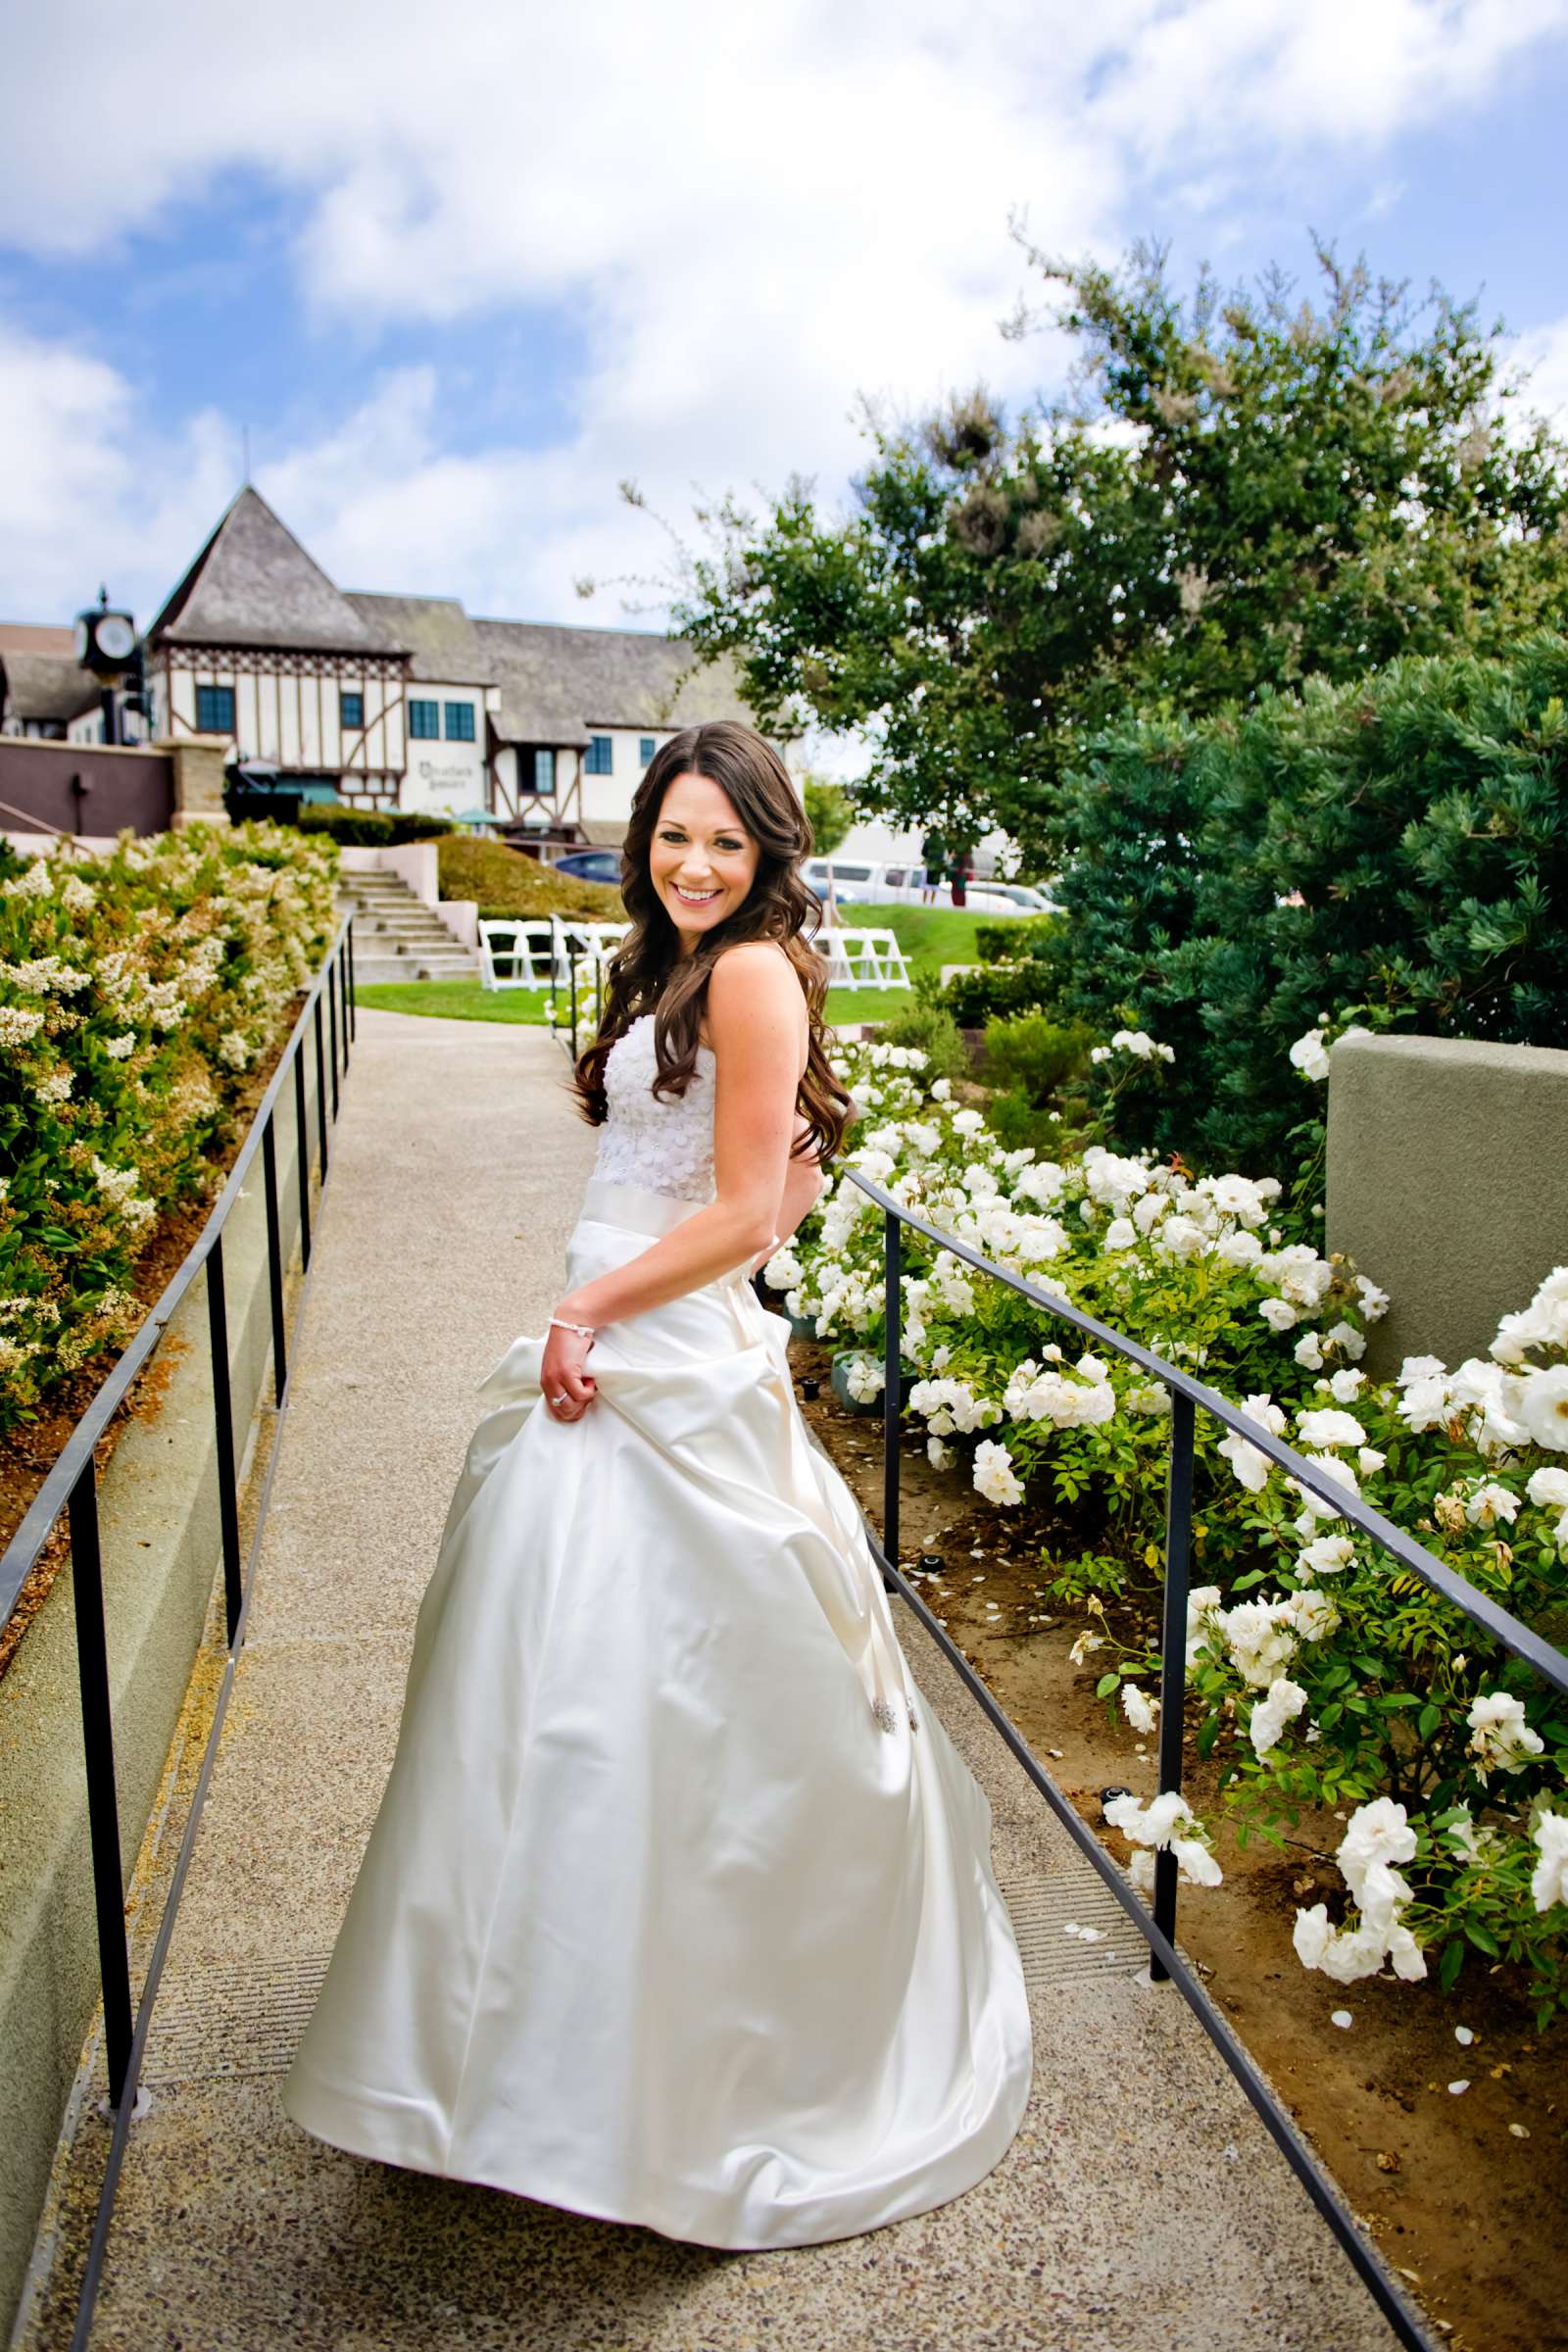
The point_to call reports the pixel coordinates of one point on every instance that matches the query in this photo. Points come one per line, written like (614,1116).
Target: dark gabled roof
(557,683)
(254,584)
(38,637)
(437,632)
(46,686)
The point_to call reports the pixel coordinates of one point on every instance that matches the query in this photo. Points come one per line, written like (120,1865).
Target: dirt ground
(1468,2208)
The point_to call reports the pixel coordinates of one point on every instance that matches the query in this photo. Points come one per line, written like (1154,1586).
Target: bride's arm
(804,1180)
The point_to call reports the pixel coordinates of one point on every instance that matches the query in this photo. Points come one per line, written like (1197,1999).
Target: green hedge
(1397,849)
(137,990)
(372,828)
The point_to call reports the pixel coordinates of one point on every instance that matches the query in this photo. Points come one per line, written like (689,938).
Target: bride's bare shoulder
(756,980)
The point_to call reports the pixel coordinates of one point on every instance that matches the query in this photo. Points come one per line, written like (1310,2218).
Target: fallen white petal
(1463,2084)
(1340,2017)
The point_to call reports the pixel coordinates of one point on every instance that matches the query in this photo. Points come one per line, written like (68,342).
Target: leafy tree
(1238,493)
(829,811)
(1398,847)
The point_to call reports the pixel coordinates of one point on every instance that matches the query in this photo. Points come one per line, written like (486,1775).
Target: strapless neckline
(648,1016)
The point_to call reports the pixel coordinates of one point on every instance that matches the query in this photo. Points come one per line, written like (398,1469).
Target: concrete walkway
(1141,2205)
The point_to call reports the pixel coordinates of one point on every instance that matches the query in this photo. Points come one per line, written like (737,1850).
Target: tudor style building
(404,702)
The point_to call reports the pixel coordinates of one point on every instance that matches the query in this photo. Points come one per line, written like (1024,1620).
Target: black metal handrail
(72,1487)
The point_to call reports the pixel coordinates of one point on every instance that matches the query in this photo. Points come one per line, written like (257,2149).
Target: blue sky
(458,290)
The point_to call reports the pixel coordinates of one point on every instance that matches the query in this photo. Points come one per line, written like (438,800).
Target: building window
(646,749)
(544,771)
(460,722)
(424,720)
(601,755)
(351,710)
(214,709)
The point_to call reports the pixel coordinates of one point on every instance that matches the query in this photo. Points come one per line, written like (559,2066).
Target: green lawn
(930,936)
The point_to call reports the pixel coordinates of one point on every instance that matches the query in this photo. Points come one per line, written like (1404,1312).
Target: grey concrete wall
(162,1554)
(1447,1184)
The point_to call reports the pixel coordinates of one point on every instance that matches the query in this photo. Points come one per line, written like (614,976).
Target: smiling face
(701,859)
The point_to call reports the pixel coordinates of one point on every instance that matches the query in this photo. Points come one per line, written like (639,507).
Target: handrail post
(303,1125)
(892,1349)
(320,1087)
(1173,1664)
(274,1261)
(331,1017)
(352,983)
(103,1803)
(224,1430)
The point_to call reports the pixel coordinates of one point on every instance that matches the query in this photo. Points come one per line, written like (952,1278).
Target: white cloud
(749,216)
(92,491)
(1543,351)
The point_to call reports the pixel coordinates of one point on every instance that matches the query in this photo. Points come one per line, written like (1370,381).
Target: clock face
(116,637)
(83,638)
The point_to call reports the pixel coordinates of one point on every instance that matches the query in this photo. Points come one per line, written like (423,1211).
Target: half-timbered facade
(401,702)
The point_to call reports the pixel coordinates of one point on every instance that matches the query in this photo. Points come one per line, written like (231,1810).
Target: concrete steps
(397,937)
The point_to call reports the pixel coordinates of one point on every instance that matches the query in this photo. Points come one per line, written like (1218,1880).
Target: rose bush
(136,989)
(1325,1677)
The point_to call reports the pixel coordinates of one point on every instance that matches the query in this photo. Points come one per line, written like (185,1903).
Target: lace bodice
(664,1144)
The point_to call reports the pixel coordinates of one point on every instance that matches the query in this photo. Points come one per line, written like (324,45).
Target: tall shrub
(136,991)
(1398,846)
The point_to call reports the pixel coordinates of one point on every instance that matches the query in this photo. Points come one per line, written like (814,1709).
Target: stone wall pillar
(199,762)
(1447,1184)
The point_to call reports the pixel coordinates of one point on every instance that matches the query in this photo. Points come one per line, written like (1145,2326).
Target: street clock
(105,640)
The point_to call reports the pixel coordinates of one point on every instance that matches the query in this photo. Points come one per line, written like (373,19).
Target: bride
(679,1906)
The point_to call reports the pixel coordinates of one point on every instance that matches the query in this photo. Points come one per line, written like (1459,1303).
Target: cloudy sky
(460,270)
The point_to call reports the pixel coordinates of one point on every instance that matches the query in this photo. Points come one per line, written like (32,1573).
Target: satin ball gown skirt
(679,1906)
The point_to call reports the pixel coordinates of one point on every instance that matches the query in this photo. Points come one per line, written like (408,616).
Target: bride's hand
(562,1373)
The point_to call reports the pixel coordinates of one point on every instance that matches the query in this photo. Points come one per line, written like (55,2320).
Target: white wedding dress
(679,1906)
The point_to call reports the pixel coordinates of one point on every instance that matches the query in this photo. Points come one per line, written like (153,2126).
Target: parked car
(590,865)
(1023,894)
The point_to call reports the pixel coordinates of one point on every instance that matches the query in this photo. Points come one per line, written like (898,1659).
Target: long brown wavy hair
(648,972)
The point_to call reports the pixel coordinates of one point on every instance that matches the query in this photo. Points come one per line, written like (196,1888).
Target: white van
(871,882)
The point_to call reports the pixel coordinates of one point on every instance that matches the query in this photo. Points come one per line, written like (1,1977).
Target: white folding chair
(526,944)
(889,957)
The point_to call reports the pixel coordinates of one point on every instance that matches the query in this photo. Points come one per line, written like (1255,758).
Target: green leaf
(1106,1684)
(1453,1961)
(1482,1937)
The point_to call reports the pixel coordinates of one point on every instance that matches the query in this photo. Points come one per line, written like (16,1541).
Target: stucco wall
(1447,1184)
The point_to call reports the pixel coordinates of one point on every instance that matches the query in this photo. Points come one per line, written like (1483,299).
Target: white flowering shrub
(135,991)
(559,1006)
(1193,1268)
(1326,1677)
(1331,1675)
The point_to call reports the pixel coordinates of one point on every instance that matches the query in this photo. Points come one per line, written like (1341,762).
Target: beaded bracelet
(588,1328)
